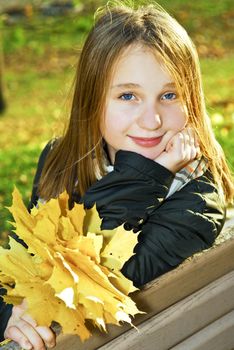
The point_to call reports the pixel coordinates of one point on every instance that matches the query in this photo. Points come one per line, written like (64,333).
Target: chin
(148,154)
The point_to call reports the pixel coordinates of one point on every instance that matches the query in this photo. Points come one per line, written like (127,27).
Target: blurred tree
(2,102)
(90,6)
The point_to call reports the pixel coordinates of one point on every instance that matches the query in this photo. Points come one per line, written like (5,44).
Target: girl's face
(143,110)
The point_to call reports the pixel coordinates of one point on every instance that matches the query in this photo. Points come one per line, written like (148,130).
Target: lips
(146,141)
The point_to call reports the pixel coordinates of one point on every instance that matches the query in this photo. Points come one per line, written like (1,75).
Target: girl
(139,145)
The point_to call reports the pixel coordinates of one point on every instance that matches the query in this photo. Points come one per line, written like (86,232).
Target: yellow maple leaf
(16,262)
(92,223)
(116,254)
(40,298)
(76,216)
(90,245)
(114,263)
(71,267)
(93,307)
(61,276)
(20,212)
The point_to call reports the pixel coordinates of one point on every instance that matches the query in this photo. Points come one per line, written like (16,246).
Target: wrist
(173,169)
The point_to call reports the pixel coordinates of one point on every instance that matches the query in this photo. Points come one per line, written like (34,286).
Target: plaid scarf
(191,171)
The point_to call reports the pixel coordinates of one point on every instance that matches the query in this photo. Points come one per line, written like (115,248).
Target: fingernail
(27,346)
(51,345)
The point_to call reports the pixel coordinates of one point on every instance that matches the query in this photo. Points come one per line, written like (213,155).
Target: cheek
(106,120)
(181,122)
(178,117)
(110,126)
(116,120)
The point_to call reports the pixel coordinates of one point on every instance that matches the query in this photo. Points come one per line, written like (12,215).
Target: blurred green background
(40,46)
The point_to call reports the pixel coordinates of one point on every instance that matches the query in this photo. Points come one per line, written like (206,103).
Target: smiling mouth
(146,141)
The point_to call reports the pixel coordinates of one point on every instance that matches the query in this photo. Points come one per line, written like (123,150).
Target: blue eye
(169,96)
(126,97)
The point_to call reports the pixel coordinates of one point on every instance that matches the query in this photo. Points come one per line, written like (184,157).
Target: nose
(150,119)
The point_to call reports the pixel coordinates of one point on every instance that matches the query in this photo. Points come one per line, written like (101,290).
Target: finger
(179,143)
(193,152)
(47,335)
(175,145)
(194,136)
(195,149)
(189,146)
(31,334)
(187,140)
(29,319)
(18,310)
(198,152)
(19,337)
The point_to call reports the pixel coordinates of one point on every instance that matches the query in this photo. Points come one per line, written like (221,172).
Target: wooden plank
(218,335)
(175,285)
(182,320)
(189,277)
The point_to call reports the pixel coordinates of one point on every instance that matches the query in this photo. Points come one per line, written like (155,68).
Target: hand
(180,150)
(22,329)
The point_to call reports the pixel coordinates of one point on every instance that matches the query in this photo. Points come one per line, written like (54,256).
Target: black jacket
(172,228)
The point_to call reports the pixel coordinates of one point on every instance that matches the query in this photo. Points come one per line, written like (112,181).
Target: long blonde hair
(117,27)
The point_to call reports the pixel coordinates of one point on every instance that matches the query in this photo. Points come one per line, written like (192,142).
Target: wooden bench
(189,308)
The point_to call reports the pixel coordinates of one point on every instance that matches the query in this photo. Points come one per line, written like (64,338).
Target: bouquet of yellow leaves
(70,272)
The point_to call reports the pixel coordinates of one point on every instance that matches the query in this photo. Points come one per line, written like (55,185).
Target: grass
(40,63)
(218,86)
(34,116)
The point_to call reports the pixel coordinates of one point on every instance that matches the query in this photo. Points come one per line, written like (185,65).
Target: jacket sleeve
(172,228)
(129,193)
(5,313)
(185,223)
(40,165)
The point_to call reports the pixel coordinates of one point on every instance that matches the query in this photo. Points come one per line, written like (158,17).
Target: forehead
(138,62)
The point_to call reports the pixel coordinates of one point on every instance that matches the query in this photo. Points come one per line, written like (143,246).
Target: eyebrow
(171,84)
(126,85)
(133,85)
